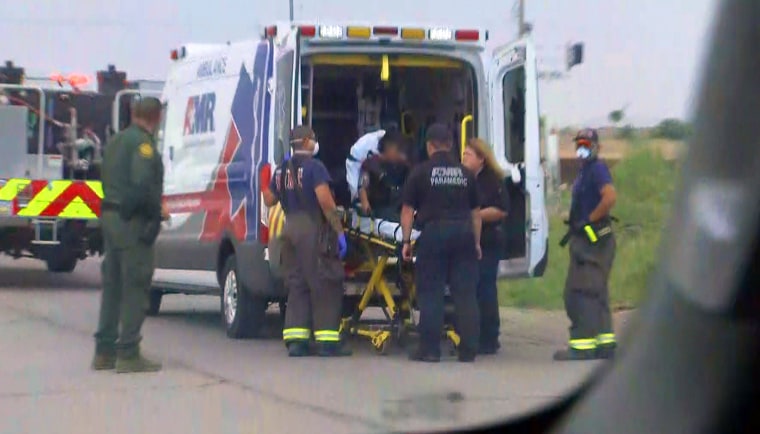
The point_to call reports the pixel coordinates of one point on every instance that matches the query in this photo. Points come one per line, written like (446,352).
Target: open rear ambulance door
(286,113)
(513,83)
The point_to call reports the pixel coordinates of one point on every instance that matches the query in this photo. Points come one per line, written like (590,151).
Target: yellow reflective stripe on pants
(327,336)
(590,233)
(293,334)
(582,344)
(605,339)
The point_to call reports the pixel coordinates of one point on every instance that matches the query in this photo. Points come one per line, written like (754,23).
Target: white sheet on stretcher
(385,229)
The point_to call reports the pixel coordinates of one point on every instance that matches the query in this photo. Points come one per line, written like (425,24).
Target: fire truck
(52,134)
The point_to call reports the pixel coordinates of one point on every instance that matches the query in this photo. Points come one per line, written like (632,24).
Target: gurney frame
(382,256)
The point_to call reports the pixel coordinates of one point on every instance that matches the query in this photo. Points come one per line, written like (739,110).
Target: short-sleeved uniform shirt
(587,188)
(307,174)
(441,189)
(492,193)
(383,181)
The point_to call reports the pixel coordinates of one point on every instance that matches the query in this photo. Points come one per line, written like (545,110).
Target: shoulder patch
(146,150)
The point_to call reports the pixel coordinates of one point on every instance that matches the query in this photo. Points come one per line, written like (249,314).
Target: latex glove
(342,246)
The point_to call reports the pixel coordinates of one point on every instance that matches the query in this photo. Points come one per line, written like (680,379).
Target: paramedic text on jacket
(592,252)
(445,196)
(313,246)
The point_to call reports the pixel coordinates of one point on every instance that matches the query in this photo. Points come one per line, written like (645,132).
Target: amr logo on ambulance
(42,198)
(199,115)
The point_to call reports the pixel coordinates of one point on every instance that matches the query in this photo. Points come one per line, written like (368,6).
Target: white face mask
(583,152)
(316,148)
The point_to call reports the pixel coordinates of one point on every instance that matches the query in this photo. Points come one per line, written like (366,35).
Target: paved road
(214,384)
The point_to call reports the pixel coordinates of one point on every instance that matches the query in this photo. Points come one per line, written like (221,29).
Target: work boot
(298,348)
(466,356)
(103,361)
(332,349)
(606,351)
(489,349)
(422,355)
(573,354)
(134,362)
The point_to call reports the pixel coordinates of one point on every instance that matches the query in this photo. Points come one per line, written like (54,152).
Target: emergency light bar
(337,32)
(440,34)
(331,32)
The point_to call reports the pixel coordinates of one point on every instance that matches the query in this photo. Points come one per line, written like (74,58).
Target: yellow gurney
(389,282)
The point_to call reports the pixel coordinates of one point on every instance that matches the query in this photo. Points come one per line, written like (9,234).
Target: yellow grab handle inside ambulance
(385,69)
(463,134)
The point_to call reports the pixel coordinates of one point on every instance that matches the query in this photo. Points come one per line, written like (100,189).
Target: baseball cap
(301,132)
(439,132)
(588,135)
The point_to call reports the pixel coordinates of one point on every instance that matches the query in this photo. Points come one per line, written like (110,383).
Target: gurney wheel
(383,348)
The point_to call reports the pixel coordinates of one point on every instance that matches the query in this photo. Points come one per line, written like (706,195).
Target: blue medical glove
(342,246)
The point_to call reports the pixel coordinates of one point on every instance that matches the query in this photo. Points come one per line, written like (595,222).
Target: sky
(644,55)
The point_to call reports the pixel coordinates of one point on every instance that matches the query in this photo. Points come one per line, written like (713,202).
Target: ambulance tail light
(265,175)
(308,31)
(467,35)
(385,31)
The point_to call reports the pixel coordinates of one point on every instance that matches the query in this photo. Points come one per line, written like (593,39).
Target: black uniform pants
(488,299)
(587,293)
(446,254)
(314,279)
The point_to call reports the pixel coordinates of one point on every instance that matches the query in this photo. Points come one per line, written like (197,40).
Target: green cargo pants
(127,271)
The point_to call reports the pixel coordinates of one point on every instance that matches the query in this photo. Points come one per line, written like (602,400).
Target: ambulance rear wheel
(243,314)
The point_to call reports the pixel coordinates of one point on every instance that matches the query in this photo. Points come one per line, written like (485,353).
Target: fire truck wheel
(62,263)
(154,302)
(243,313)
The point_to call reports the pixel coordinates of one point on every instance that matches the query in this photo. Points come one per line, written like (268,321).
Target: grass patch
(645,183)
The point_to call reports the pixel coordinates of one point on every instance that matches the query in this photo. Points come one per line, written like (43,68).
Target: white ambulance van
(228,110)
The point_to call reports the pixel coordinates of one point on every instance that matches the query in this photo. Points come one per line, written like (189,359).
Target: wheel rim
(230,297)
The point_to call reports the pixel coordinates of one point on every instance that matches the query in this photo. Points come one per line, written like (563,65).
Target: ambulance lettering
(199,116)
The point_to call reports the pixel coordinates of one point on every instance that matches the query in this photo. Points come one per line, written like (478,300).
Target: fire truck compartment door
(14,162)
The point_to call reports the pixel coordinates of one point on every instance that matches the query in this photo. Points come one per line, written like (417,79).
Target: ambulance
(228,110)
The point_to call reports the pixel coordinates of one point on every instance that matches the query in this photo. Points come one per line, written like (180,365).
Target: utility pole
(521,17)
(290,3)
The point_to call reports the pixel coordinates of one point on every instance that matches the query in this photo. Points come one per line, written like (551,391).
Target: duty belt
(592,231)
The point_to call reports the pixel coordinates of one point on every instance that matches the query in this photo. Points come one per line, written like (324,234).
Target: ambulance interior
(345,96)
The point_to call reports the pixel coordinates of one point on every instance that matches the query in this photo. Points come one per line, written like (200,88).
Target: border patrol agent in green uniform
(131,215)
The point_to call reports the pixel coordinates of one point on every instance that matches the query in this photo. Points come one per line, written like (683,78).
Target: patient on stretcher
(382,179)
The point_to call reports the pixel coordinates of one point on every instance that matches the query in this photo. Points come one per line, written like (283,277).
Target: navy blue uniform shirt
(587,188)
(493,193)
(441,189)
(308,174)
